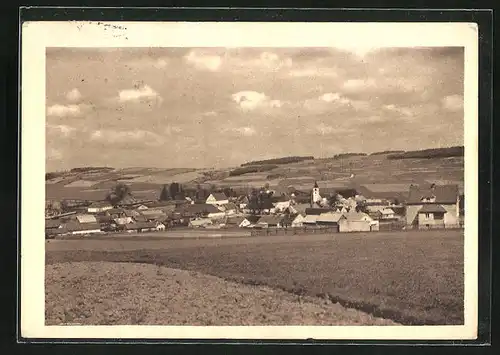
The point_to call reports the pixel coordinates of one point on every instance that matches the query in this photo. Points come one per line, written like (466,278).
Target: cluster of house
(426,207)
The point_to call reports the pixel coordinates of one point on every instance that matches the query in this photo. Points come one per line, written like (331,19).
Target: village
(426,207)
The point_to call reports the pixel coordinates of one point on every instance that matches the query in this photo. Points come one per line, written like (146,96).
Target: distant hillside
(284,160)
(388,152)
(457,151)
(348,155)
(252,169)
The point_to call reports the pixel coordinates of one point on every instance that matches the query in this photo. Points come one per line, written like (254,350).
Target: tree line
(283,160)
(457,151)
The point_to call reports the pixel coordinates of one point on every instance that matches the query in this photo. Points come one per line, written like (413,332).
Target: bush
(430,153)
(284,160)
(251,169)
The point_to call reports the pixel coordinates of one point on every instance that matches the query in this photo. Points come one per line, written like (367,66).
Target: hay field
(409,277)
(104,293)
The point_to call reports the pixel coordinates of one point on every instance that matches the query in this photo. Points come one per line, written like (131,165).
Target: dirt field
(410,277)
(100,293)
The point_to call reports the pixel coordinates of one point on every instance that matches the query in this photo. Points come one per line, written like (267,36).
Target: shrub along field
(410,277)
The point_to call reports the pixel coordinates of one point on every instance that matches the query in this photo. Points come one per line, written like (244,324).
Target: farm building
(240,222)
(122,221)
(357,222)
(140,227)
(153,214)
(310,219)
(298,221)
(198,210)
(329,219)
(217,198)
(86,218)
(98,207)
(115,212)
(52,226)
(435,199)
(76,228)
(269,222)
(200,222)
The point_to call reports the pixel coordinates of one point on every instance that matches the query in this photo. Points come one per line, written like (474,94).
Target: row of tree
(283,160)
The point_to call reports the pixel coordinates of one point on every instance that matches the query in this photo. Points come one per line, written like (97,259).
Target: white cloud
(111,136)
(64,110)
(246,131)
(453,102)
(399,110)
(210,114)
(172,130)
(356,84)
(251,100)
(54,154)
(324,129)
(204,61)
(145,92)
(74,95)
(62,129)
(313,72)
(161,63)
(334,97)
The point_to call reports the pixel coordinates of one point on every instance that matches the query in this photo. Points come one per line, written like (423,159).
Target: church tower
(315,196)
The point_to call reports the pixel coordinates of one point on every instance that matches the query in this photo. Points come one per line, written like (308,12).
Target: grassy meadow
(412,277)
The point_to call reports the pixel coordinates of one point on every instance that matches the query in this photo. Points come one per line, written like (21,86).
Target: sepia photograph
(223,177)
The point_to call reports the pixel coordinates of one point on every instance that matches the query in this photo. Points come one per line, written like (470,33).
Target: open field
(334,173)
(101,293)
(409,277)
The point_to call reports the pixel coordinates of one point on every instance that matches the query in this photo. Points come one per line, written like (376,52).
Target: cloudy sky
(216,107)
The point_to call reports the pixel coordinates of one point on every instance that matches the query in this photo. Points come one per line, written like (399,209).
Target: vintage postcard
(227,180)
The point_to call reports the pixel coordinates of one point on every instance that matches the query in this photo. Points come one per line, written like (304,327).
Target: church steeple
(315,196)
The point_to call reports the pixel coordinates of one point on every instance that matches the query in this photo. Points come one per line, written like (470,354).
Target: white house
(217,198)
(298,221)
(160,226)
(141,207)
(281,206)
(97,207)
(386,213)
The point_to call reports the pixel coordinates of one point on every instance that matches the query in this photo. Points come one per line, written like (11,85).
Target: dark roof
(52,223)
(74,226)
(282,198)
(140,225)
(100,204)
(270,220)
(104,218)
(235,220)
(115,211)
(219,196)
(230,206)
(253,218)
(199,208)
(317,211)
(444,193)
(432,208)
